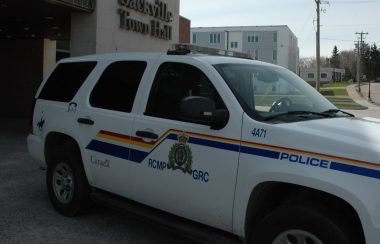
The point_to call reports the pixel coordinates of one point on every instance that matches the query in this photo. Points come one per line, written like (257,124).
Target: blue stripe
(214,144)
(172,137)
(110,149)
(260,152)
(355,170)
(138,156)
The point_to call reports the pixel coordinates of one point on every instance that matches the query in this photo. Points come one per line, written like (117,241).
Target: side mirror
(203,110)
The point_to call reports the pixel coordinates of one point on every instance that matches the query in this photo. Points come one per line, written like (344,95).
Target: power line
(350,25)
(356,2)
(331,39)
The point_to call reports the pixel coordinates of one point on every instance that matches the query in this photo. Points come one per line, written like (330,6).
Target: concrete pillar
(49,56)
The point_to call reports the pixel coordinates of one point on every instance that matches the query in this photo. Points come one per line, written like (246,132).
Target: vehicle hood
(356,138)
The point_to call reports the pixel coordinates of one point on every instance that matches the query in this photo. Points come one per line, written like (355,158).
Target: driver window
(175,81)
(278,96)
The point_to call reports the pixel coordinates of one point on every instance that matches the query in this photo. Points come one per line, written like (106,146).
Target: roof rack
(183,49)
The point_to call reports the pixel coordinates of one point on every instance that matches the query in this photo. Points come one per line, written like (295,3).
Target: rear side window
(117,87)
(65,81)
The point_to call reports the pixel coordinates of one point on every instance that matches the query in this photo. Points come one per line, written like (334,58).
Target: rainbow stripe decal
(137,150)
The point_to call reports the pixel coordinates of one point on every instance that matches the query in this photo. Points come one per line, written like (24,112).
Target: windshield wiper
(335,111)
(303,113)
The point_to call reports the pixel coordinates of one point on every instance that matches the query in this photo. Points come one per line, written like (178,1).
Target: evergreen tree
(335,60)
(375,62)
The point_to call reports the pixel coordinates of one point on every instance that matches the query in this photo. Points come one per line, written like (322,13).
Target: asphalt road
(26,215)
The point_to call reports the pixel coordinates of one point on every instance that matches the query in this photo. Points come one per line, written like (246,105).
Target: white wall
(236,36)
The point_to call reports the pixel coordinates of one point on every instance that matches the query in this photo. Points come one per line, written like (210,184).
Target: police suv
(244,147)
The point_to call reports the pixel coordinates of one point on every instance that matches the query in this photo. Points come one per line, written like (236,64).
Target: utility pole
(318,2)
(358,65)
(318,42)
(360,54)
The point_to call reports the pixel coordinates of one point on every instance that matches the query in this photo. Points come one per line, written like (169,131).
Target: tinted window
(175,81)
(117,87)
(66,80)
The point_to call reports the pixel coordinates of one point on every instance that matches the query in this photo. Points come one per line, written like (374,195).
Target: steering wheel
(280,105)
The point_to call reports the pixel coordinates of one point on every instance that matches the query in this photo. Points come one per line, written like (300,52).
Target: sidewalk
(373,110)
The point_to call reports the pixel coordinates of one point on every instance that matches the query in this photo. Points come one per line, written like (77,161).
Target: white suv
(245,147)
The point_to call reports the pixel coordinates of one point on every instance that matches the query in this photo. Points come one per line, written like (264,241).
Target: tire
(302,225)
(66,181)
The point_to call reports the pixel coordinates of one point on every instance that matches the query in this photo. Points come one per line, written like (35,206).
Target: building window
(310,75)
(274,54)
(324,75)
(275,37)
(215,38)
(194,38)
(253,38)
(234,44)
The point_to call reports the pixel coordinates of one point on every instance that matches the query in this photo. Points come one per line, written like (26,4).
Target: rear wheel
(66,181)
(302,225)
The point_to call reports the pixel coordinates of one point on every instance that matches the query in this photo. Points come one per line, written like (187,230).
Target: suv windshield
(270,93)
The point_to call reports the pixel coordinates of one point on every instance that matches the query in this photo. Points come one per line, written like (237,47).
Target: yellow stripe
(142,144)
(113,138)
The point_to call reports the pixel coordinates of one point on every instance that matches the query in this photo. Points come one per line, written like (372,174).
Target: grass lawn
(336,84)
(334,92)
(345,103)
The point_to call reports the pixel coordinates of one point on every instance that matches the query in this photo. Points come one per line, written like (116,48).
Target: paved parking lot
(27,216)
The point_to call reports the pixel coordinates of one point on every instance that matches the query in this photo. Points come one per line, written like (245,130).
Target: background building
(272,44)
(327,75)
(34,34)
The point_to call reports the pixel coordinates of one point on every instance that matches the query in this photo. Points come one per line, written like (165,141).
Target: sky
(340,19)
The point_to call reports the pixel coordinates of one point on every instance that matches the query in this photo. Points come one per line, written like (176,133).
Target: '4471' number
(261,133)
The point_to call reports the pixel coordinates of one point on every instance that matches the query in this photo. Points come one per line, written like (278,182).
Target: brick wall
(184,30)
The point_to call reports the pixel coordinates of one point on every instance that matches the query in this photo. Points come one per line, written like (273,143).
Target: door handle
(85,121)
(146,134)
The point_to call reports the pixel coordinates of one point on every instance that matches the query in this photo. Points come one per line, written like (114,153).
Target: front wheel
(66,181)
(302,225)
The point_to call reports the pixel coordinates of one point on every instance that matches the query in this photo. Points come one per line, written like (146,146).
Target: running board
(186,228)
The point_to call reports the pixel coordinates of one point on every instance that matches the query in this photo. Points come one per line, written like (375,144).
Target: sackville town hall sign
(159,26)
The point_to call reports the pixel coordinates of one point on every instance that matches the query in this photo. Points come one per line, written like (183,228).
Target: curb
(353,94)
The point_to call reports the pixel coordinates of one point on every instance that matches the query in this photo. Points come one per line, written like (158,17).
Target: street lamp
(369,90)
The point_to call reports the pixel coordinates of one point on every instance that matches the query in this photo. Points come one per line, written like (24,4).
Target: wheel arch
(54,140)
(268,196)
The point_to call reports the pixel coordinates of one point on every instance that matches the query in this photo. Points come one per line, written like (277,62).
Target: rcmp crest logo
(180,156)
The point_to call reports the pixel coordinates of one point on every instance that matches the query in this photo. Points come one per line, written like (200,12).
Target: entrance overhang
(39,19)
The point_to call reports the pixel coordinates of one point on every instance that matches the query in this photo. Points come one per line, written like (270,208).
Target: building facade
(328,75)
(272,44)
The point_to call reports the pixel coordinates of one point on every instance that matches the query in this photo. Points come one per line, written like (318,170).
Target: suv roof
(211,59)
